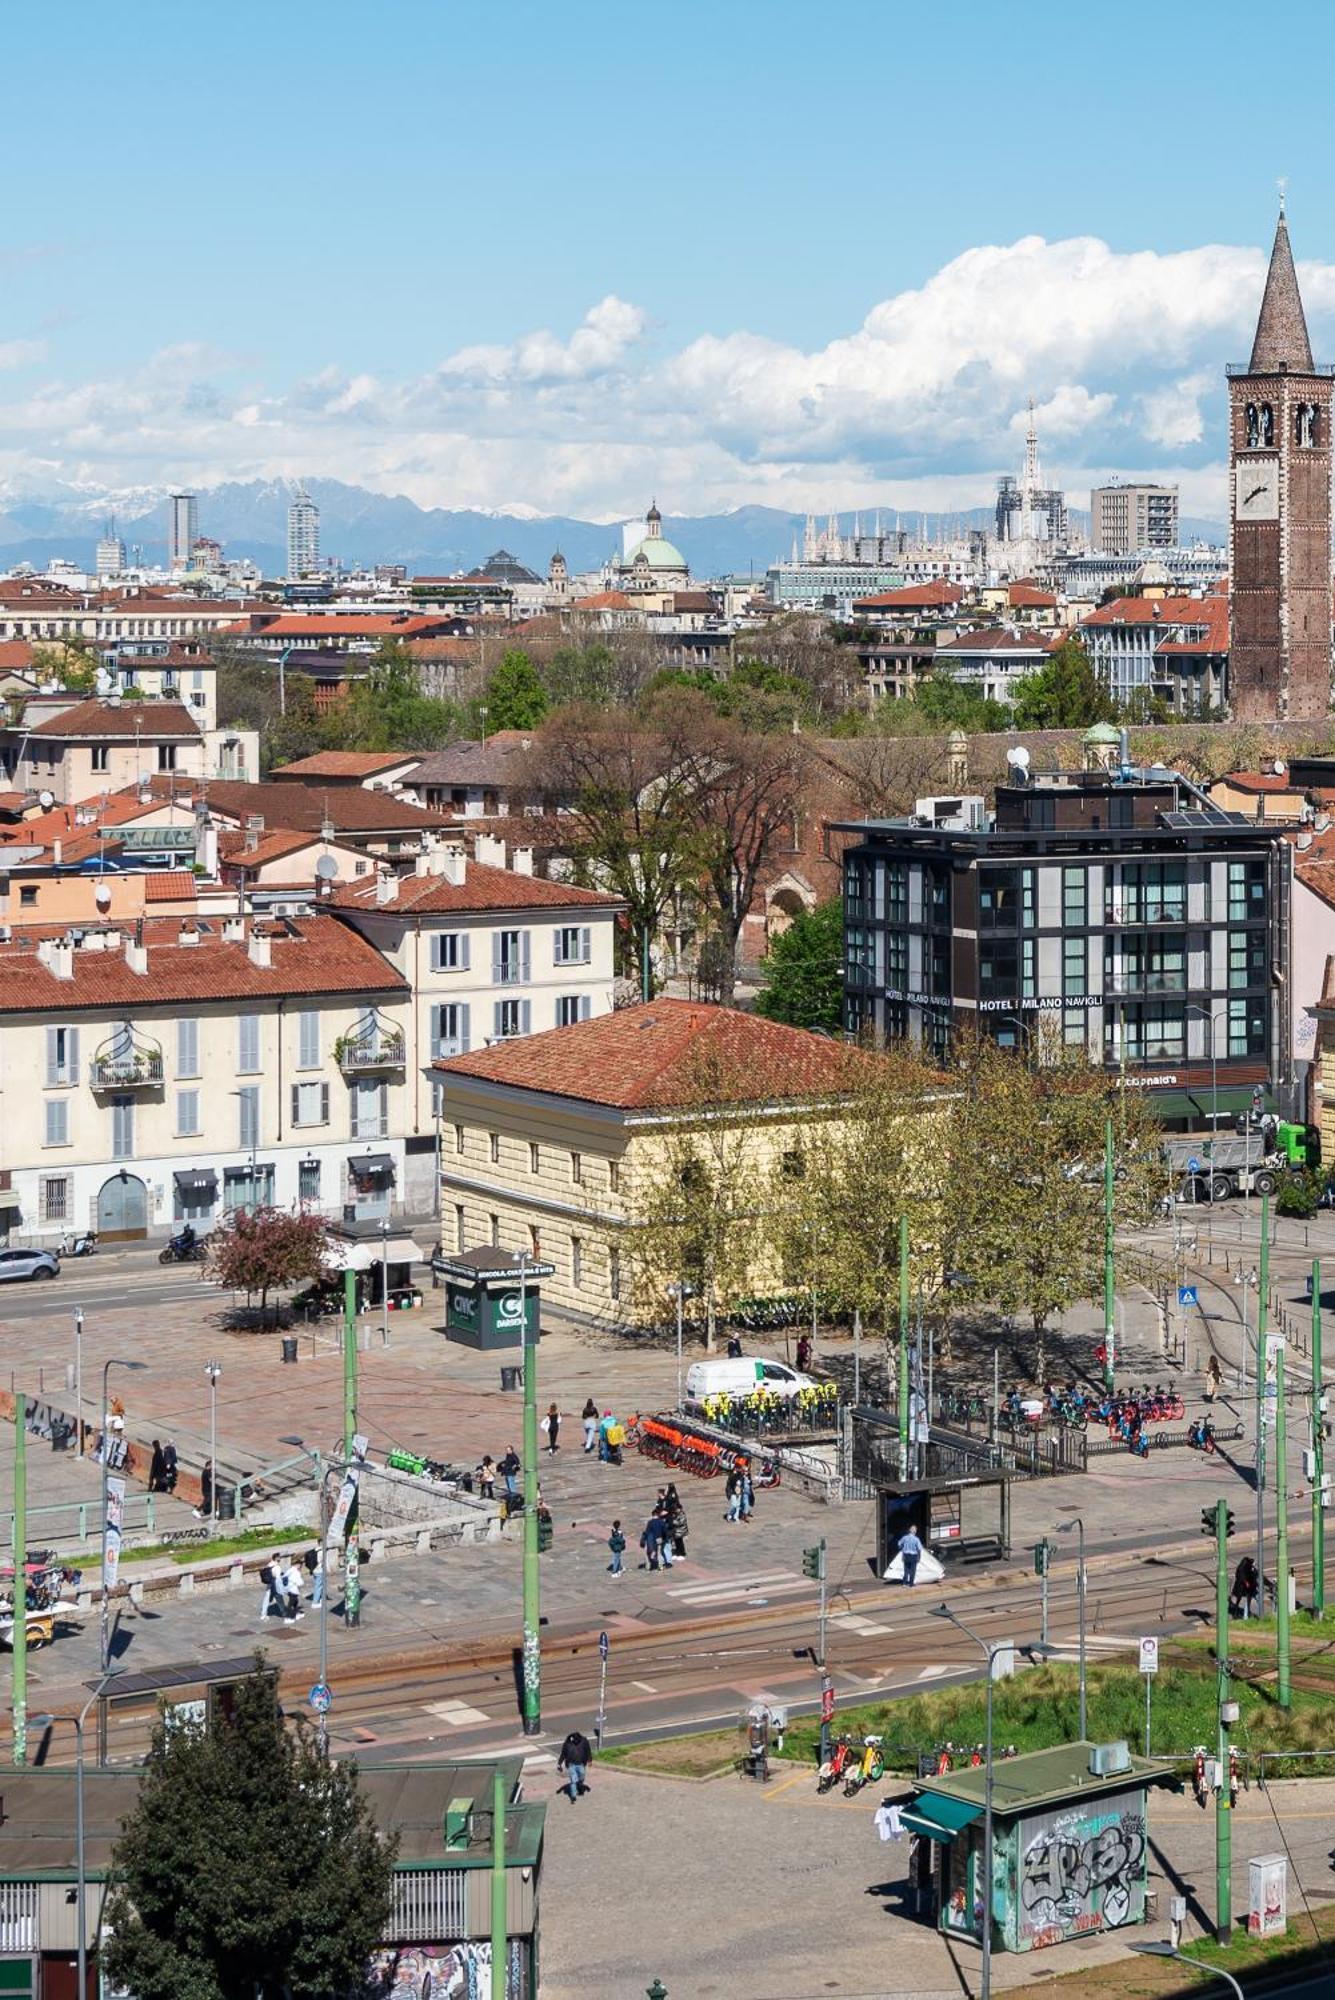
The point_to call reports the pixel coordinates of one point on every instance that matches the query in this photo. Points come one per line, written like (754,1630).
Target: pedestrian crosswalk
(742,1588)
(1068,1648)
(457,1714)
(866,1628)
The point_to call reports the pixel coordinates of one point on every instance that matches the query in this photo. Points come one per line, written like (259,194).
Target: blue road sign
(320,1697)
(604,1645)
(1193,1165)
(1187,1295)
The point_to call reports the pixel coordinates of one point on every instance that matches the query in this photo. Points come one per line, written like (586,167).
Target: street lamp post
(1064,1528)
(531,1656)
(384,1280)
(78,1382)
(212,1370)
(1165,1950)
(944,1611)
(80,1846)
(1211,1015)
(680,1291)
(113,1361)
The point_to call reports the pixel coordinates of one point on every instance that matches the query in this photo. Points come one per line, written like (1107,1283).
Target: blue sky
(255,241)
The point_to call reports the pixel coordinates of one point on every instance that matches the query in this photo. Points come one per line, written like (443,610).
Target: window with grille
(54,1197)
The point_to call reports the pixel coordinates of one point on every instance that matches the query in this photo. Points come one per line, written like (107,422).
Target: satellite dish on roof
(1280,767)
(102,896)
(327,868)
(105,681)
(46,800)
(1018,757)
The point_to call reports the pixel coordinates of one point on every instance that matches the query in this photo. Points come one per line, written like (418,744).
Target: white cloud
(920,406)
(21,353)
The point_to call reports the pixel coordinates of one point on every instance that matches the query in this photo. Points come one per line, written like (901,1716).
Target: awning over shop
(9,1200)
(196,1180)
(371,1166)
(1196,1104)
(367,1252)
(938,1817)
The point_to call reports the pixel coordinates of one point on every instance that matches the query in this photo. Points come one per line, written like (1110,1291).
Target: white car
(28,1264)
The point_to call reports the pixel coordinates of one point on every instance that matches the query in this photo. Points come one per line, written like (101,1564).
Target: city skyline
(802,327)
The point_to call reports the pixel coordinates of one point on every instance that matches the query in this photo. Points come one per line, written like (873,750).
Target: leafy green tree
(250,1867)
(72,663)
(803,974)
(515,695)
(581,673)
(1064,694)
(249,698)
(949,703)
(387,709)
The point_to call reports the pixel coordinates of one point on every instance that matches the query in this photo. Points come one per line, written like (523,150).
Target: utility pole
(19,1642)
(903,1347)
(532,1649)
(813,1565)
(499,1951)
(352,1589)
(1282,1691)
(1109,1279)
(1318,1453)
(1217,1521)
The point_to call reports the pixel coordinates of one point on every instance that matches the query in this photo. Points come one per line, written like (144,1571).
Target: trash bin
(510,1378)
(289,1347)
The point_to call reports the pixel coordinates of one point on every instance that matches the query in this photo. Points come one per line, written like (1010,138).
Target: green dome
(658,553)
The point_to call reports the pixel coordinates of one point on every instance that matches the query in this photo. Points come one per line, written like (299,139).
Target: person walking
(733,1490)
(575,1759)
(910,1548)
(606,1426)
(157,1470)
(804,1354)
(675,1515)
(292,1580)
(204,1511)
(616,1542)
(509,1469)
(486,1478)
(1213,1378)
(551,1425)
(1246,1589)
(651,1540)
(270,1583)
(589,1417)
(664,1537)
(169,1467)
(314,1564)
(748,1491)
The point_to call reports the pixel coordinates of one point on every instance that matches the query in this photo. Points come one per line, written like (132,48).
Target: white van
(739,1375)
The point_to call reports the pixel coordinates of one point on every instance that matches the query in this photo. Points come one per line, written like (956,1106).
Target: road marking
(738,1590)
(851,1622)
(458,1714)
(644,1687)
(932,1673)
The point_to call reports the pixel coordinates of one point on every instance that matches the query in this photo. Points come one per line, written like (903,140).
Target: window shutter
(72,1053)
(437,1033)
(437,951)
(296,1104)
(187,1047)
(525,1016)
(585,943)
(557,935)
(523,956)
(324,1103)
(585,1006)
(498,1020)
(496,958)
(464,1042)
(309,1053)
(463,951)
(52,1057)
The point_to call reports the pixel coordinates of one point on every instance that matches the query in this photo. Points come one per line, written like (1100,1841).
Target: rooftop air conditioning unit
(1107,1759)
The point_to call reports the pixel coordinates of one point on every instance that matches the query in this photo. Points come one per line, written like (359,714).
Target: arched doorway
(122,1209)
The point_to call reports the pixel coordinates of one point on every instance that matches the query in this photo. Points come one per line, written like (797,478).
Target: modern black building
(1150,926)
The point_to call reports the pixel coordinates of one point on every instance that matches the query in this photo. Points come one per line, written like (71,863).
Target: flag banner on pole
(113,1533)
(338,1526)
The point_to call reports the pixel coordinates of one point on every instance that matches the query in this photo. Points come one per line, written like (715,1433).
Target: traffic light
(544,1533)
(1042,1551)
(813,1562)
(1228,1523)
(1208,1522)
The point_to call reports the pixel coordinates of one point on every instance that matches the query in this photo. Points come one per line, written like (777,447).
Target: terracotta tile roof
(86,818)
(483,888)
(168,885)
(1027,597)
(656,1055)
(937,596)
(272,845)
(997,639)
(339,625)
(1170,609)
(15,654)
(350,808)
(310,955)
(1259,781)
(344,764)
(148,720)
(604,600)
(495,762)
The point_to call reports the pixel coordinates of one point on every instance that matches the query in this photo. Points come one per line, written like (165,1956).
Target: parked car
(739,1375)
(28,1264)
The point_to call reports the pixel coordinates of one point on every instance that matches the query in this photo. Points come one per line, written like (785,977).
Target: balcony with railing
(372,1047)
(124,1062)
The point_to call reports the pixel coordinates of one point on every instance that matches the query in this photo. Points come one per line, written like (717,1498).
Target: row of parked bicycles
(762,1410)
(853,1764)
(685,1450)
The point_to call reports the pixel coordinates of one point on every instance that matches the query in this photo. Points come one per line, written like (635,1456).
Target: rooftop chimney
(453,862)
(136,956)
(521,860)
(233,929)
(187,935)
(260,949)
(386,886)
(57,955)
(254,828)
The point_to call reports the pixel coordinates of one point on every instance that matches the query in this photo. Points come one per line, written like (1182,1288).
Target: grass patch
(189,1552)
(1041,1707)
(678,1756)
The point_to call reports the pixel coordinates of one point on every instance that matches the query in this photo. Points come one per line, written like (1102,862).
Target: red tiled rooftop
(311,955)
(661,1054)
(147,720)
(349,808)
(936,596)
(1028,597)
(168,885)
(343,764)
(483,888)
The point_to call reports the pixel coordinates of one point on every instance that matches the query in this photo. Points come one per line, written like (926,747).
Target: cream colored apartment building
(177,1069)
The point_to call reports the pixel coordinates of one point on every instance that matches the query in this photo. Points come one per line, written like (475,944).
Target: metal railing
(133,1069)
(371,1053)
(80,1520)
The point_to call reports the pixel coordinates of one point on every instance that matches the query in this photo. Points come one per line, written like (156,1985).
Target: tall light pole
(1318,1454)
(1109,1278)
(384,1279)
(322,1472)
(78,1382)
(680,1291)
(1064,1528)
(532,1646)
(80,1847)
(112,1361)
(1211,1015)
(944,1611)
(212,1370)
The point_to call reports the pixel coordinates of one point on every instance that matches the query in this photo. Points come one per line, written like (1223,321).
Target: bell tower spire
(1281,332)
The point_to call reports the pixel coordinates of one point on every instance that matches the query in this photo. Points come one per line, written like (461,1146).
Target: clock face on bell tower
(1279,513)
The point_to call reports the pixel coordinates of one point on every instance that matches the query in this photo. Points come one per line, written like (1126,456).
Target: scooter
(835,1768)
(1201,1436)
(869,1769)
(1199,1783)
(83,1245)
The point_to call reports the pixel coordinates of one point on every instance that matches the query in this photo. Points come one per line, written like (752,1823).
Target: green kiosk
(491,1297)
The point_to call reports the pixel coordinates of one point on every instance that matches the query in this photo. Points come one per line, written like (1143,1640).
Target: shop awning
(196,1180)
(1196,1105)
(939,1817)
(9,1199)
(372,1166)
(366,1253)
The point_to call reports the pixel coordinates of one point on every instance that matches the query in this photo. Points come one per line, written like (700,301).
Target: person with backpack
(575,1759)
(675,1516)
(314,1562)
(270,1582)
(651,1541)
(616,1542)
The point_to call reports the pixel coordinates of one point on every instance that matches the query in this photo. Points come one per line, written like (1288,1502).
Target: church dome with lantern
(652,563)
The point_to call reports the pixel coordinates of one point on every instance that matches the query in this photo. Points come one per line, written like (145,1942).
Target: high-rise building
(1279,512)
(182,529)
(1131,517)
(110,557)
(1027,510)
(303,536)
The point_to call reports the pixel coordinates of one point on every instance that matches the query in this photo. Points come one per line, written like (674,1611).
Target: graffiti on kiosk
(443,1971)
(1081,1872)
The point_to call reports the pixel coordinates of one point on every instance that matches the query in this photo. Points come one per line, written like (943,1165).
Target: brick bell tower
(1279,513)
